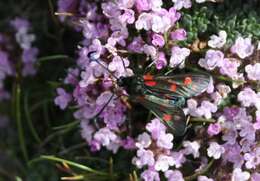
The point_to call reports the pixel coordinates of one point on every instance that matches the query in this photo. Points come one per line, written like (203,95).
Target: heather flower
(150,175)
(191,148)
(144,21)
(150,51)
(163,163)
(87,130)
(179,34)
(253,71)
(218,41)
(161,23)
(239,175)
(215,150)
(223,89)
(178,56)
(63,98)
(128,16)
(119,67)
(213,59)
(204,178)
(252,159)
(158,40)
(179,4)
(243,47)
(136,45)
(128,143)
(143,140)
(24,39)
(142,5)
(144,157)
(165,140)
(160,61)
(20,23)
(255,176)
(214,129)
(229,67)
(247,97)
(5,66)
(107,138)
(156,128)
(178,158)
(206,109)
(174,175)
(72,76)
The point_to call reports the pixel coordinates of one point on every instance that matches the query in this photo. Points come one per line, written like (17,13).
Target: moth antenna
(105,105)
(149,66)
(96,60)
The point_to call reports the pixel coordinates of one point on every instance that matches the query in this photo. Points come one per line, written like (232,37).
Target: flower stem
(201,172)
(19,121)
(202,120)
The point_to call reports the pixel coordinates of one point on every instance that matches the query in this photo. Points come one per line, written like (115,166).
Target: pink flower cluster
(8,61)
(119,29)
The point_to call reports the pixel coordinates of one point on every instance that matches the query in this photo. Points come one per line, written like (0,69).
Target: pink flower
(178,56)
(86,130)
(206,109)
(253,71)
(213,59)
(160,61)
(144,157)
(179,4)
(174,175)
(243,47)
(218,41)
(144,21)
(204,178)
(105,136)
(143,140)
(179,34)
(158,40)
(178,158)
(191,148)
(63,98)
(150,175)
(142,5)
(151,51)
(128,16)
(239,175)
(229,67)
(163,163)
(214,129)
(165,140)
(155,127)
(247,97)
(119,67)
(215,150)
(255,176)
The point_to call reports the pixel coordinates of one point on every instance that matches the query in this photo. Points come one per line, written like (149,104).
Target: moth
(164,95)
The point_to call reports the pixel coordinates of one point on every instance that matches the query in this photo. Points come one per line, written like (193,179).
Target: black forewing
(171,86)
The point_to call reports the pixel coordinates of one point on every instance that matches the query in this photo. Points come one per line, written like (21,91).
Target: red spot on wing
(148,77)
(167,117)
(173,87)
(150,83)
(187,81)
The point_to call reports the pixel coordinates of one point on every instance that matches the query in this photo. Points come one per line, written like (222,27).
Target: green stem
(202,120)
(80,166)
(19,121)
(29,120)
(201,172)
(52,57)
